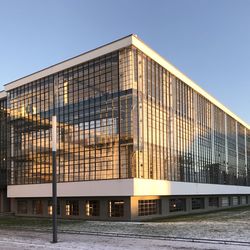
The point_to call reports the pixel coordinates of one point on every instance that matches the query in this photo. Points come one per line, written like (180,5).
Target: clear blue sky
(208,40)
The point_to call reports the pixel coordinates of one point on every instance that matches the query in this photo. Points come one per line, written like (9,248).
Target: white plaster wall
(125,187)
(161,187)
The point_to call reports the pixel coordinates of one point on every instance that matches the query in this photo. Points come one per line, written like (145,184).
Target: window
(72,207)
(116,208)
(92,208)
(236,200)
(244,200)
(89,118)
(213,202)
(225,201)
(22,207)
(148,207)
(50,207)
(177,205)
(37,207)
(198,203)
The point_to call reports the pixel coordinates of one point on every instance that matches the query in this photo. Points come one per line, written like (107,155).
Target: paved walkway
(12,240)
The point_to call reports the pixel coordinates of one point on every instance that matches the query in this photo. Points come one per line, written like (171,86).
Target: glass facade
(22,207)
(116,208)
(37,207)
(181,135)
(122,115)
(92,208)
(93,106)
(149,207)
(3,142)
(177,205)
(198,203)
(50,208)
(213,201)
(72,207)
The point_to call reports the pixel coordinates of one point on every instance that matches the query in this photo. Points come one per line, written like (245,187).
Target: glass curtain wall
(180,135)
(3,142)
(248,156)
(122,115)
(93,104)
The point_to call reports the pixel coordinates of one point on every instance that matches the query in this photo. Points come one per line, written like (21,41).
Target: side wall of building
(93,103)
(122,116)
(4,203)
(179,135)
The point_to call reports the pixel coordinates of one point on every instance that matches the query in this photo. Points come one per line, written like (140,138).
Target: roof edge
(84,57)
(141,45)
(120,43)
(3,94)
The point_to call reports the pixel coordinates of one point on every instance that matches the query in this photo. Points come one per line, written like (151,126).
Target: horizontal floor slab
(123,187)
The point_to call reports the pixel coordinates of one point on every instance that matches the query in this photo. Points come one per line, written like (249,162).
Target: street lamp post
(54,180)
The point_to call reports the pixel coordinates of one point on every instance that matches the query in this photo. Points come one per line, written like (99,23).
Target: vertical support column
(189,204)
(104,208)
(226,146)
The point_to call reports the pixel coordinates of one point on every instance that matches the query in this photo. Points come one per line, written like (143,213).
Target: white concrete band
(124,187)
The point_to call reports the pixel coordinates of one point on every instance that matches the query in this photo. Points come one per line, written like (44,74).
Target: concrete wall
(4,201)
(130,207)
(124,187)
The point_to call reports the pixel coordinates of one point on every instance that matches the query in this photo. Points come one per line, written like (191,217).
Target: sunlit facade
(3,152)
(136,138)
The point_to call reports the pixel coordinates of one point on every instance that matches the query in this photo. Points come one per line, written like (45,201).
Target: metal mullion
(119,115)
(147,115)
(94,117)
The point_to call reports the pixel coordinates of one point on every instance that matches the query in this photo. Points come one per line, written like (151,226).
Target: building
(4,203)
(137,139)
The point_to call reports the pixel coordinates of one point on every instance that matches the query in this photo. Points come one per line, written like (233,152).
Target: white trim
(123,187)
(143,187)
(116,45)
(74,189)
(164,63)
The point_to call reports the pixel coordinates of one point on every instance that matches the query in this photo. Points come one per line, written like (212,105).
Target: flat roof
(87,56)
(113,46)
